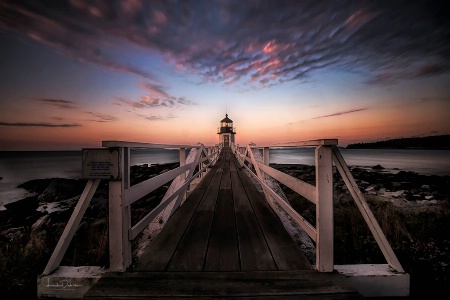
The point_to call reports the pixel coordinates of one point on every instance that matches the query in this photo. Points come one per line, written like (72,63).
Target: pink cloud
(220,41)
(159,17)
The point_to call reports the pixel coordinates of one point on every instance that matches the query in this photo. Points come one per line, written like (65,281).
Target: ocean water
(427,162)
(18,167)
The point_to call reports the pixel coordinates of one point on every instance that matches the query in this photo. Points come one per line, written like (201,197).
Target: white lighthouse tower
(226,131)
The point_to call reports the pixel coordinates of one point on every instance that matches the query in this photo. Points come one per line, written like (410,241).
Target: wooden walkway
(224,241)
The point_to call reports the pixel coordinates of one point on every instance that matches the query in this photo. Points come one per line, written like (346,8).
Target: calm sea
(18,167)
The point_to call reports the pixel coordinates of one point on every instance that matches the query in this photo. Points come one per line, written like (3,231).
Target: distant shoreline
(437,142)
(392,148)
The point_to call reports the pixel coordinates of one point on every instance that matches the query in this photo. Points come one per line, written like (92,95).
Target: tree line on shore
(428,142)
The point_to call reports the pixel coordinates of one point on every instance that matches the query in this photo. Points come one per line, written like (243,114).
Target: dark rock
(378,167)
(62,189)
(20,213)
(35,185)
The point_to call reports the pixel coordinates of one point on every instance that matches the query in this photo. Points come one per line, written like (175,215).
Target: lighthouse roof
(227,120)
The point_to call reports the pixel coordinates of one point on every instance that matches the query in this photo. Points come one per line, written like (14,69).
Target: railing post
(265,158)
(324,209)
(119,217)
(182,155)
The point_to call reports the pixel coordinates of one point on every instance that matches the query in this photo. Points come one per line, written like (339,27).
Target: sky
(76,73)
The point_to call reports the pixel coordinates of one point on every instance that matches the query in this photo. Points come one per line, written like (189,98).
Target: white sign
(101,163)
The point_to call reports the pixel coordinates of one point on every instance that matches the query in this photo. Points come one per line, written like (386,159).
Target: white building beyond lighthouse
(226,131)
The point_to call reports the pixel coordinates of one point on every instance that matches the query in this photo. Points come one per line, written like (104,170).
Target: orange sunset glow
(360,72)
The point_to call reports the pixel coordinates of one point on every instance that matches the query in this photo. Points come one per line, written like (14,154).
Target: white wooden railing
(122,196)
(326,153)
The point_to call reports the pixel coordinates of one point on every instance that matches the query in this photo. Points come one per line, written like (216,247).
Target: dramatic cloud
(247,42)
(68,27)
(156,97)
(37,125)
(340,113)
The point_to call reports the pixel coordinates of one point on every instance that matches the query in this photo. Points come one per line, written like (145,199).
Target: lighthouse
(226,131)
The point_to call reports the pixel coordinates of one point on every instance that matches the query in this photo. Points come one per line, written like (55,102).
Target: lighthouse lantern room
(226,131)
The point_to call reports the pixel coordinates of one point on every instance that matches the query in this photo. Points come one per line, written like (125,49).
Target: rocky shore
(406,190)
(412,210)
(31,227)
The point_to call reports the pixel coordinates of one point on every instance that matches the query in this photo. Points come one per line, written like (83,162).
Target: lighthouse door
(226,140)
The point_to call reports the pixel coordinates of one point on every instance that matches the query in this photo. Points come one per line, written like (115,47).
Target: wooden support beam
(182,153)
(72,226)
(119,221)
(324,209)
(364,208)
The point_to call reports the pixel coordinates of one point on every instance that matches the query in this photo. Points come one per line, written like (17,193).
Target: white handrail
(122,196)
(136,229)
(321,195)
(135,192)
(183,176)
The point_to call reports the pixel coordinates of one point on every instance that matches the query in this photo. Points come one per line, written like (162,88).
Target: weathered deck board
(226,179)
(306,284)
(191,252)
(254,252)
(153,258)
(223,254)
(223,242)
(286,254)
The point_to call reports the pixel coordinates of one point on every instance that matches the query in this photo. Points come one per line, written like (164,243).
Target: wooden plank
(306,226)
(234,167)
(223,254)
(285,252)
(225,183)
(158,254)
(253,250)
(208,202)
(191,252)
(301,284)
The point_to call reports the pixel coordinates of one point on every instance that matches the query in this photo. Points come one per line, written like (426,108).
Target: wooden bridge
(224,239)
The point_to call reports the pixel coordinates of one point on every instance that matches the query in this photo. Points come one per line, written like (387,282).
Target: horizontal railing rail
(326,154)
(122,196)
